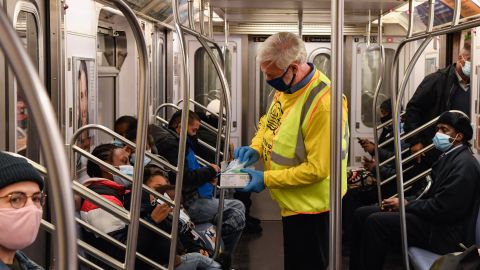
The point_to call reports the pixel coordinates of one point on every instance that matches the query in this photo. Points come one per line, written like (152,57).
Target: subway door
(21,132)
(206,84)
(365,75)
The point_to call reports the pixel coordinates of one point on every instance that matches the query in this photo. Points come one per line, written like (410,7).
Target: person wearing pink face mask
(21,201)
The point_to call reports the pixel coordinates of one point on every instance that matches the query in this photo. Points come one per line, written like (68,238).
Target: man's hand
(215,167)
(415,148)
(257,183)
(369,164)
(203,252)
(392,204)
(246,154)
(160,212)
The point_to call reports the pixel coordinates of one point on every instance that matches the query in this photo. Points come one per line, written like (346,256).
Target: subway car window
(322,62)
(207,84)
(26,28)
(370,74)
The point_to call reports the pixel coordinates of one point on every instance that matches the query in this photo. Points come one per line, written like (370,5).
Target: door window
(27,29)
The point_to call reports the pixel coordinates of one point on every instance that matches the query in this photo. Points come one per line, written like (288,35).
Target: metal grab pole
(141,132)
(410,18)
(183,133)
(374,109)
(456,12)
(53,152)
(336,90)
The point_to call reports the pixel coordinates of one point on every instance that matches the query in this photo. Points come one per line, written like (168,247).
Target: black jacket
(432,97)
(451,204)
(167,142)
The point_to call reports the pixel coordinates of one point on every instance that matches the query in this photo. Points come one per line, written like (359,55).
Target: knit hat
(16,169)
(459,122)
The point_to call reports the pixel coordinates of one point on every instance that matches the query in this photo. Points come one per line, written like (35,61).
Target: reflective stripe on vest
(300,152)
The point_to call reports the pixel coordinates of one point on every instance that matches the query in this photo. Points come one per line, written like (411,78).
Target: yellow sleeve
(317,145)
(258,138)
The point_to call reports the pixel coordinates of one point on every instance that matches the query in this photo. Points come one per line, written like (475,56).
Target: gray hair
(282,49)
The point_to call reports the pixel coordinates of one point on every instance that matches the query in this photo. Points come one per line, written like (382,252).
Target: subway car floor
(265,251)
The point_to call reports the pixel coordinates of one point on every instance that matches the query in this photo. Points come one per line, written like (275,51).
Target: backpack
(467,260)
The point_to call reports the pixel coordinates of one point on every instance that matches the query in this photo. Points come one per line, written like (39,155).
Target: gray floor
(265,251)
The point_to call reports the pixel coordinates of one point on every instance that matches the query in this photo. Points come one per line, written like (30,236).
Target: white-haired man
(293,139)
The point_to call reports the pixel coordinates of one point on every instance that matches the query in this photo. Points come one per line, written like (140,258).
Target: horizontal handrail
(387,123)
(392,158)
(119,137)
(391,178)
(88,263)
(115,171)
(198,104)
(117,243)
(102,256)
(203,143)
(413,180)
(202,123)
(114,209)
(427,188)
(417,130)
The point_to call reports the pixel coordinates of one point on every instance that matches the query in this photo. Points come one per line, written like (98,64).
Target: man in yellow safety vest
(293,140)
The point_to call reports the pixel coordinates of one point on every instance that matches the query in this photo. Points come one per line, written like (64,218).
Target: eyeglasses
(19,199)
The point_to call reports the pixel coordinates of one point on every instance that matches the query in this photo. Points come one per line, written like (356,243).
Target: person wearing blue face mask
(444,90)
(293,140)
(442,218)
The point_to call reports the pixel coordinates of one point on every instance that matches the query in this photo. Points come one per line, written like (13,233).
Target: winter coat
(433,96)
(23,261)
(167,142)
(451,205)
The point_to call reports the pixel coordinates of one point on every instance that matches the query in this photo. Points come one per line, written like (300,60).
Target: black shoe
(225,260)
(253,220)
(251,227)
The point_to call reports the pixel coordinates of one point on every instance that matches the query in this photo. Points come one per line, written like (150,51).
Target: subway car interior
(81,76)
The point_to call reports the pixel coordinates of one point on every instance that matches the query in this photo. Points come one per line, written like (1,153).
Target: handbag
(466,260)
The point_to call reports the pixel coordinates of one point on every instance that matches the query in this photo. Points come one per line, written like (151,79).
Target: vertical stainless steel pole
(51,140)
(336,91)
(133,227)
(410,19)
(374,108)
(183,134)
(300,23)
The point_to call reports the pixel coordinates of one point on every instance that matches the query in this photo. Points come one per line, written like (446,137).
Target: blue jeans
(205,211)
(194,261)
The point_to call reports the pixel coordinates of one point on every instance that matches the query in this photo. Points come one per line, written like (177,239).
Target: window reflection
(322,62)
(26,28)
(207,83)
(370,75)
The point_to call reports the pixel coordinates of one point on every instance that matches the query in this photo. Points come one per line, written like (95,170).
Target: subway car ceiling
(267,17)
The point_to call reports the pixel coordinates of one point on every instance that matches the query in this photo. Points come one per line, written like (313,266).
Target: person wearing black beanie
(21,202)
(445,216)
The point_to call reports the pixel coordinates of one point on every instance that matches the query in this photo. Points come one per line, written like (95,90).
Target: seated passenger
(199,203)
(21,201)
(124,124)
(113,188)
(193,253)
(442,219)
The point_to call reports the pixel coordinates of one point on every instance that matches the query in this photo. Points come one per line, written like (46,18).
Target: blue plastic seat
(422,259)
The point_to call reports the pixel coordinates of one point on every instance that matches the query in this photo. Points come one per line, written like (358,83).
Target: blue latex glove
(246,153)
(256,184)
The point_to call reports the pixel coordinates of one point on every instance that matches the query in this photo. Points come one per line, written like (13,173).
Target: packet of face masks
(232,177)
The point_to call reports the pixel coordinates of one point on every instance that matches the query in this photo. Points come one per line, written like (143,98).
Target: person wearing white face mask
(21,201)
(444,217)
(444,90)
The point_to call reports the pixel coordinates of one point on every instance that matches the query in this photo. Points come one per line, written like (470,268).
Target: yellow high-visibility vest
(288,150)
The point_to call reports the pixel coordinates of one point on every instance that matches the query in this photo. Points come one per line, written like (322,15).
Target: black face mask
(385,118)
(193,138)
